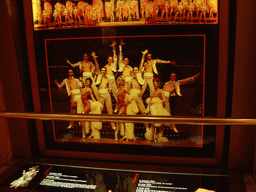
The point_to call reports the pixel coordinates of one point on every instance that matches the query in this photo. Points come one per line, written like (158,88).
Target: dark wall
(14,77)
(244,86)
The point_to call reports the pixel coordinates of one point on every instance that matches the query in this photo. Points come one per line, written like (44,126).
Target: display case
(172,48)
(205,48)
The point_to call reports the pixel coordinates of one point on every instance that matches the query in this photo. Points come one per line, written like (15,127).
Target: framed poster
(129,68)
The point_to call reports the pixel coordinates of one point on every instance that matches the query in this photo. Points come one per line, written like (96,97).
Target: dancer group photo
(139,75)
(50,14)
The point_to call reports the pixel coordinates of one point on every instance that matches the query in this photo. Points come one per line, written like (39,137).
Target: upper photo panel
(63,14)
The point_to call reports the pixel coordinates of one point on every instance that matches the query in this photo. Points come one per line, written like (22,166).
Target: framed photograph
(162,68)
(179,73)
(177,77)
(63,14)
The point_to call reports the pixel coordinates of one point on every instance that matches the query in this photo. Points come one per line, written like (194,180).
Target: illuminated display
(52,14)
(160,59)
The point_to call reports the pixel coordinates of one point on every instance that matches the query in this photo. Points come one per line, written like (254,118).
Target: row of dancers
(92,92)
(88,14)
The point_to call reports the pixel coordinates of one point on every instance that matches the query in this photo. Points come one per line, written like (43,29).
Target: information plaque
(67,178)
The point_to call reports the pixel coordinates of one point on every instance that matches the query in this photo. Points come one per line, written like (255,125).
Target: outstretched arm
(72,65)
(121,65)
(142,59)
(190,79)
(114,64)
(120,53)
(121,44)
(59,85)
(97,67)
(165,62)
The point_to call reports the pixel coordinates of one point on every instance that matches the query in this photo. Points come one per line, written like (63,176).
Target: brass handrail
(130,118)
